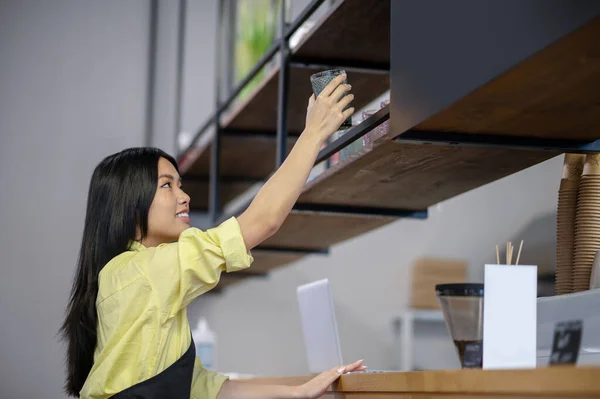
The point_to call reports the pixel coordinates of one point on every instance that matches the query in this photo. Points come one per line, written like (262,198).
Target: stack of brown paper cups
(587,227)
(565,223)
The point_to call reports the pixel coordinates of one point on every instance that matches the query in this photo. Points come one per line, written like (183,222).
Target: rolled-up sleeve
(181,271)
(228,236)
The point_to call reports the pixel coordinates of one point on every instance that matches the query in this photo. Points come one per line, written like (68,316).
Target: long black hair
(121,191)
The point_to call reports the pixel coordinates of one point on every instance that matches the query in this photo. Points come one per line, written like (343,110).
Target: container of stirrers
(510,313)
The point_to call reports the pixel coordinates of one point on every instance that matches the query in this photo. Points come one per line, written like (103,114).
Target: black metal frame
(215,158)
(355,133)
(348,66)
(494,141)
(152,35)
(181,27)
(283,88)
(362,210)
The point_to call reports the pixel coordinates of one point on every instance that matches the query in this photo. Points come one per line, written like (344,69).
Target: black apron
(175,382)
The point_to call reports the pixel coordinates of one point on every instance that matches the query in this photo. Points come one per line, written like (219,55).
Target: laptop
(319,327)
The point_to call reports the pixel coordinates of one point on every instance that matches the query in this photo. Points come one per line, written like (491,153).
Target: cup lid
(459,289)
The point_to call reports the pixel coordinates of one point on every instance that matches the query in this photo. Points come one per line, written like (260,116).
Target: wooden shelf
(397,175)
(553,95)
(351,32)
(320,230)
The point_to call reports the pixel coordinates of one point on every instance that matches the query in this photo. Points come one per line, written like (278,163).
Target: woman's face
(169,213)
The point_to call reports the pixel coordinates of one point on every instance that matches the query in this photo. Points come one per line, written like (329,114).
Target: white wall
(258,322)
(199,64)
(72,90)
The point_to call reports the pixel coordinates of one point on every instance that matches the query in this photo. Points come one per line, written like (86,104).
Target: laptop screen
(319,326)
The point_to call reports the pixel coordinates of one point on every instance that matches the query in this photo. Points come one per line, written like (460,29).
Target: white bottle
(206,344)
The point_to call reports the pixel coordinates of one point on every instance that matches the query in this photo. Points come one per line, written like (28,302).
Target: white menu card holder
(509,317)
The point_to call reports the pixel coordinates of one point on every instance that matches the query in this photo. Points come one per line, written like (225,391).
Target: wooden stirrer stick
(519,253)
(497,255)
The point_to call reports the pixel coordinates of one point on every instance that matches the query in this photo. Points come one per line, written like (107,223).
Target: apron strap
(175,382)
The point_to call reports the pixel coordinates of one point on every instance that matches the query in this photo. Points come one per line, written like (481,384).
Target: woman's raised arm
(274,201)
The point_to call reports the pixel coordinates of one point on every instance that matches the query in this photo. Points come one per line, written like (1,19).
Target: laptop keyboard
(372,371)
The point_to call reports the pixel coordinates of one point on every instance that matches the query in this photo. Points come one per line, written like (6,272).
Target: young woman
(141,264)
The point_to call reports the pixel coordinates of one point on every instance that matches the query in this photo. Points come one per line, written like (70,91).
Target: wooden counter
(550,382)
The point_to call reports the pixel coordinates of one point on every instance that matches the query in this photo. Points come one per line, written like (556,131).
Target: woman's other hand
(326,113)
(318,385)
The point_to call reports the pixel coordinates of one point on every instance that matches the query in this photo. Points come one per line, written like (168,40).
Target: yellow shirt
(142,321)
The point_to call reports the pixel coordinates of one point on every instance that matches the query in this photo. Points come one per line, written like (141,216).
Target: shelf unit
(544,104)
(248,127)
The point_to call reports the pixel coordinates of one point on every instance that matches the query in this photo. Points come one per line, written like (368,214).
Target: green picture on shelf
(256,30)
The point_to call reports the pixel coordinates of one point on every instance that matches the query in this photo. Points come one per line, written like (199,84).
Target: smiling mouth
(183,215)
